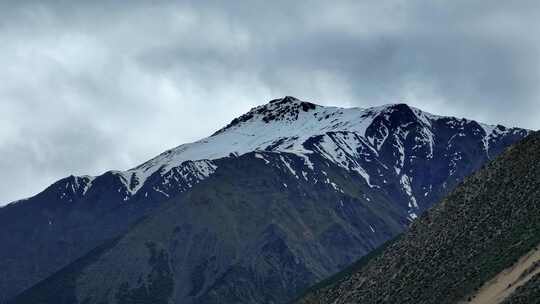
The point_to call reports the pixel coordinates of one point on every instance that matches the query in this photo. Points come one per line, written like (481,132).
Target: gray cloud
(88,87)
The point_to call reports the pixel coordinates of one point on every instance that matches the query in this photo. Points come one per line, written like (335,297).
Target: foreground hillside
(349,178)
(487,228)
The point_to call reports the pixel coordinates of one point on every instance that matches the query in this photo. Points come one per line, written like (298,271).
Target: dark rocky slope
(250,233)
(483,227)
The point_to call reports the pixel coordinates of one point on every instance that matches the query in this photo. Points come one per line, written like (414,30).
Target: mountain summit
(284,195)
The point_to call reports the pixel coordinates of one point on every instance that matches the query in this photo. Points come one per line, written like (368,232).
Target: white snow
(406,183)
(401,155)
(260,156)
(412,216)
(342,150)
(161,191)
(288,167)
(88,185)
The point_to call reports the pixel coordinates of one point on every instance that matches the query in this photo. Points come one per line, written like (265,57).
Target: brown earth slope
(505,283)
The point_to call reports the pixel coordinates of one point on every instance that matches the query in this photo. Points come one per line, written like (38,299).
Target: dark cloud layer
(90,86)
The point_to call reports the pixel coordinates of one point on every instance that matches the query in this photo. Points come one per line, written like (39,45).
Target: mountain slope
(478,231)
(399,159)
(250,233)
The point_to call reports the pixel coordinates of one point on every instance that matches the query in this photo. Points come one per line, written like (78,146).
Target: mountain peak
(290,99)
(402,114)
(286,108)
(290,125)
(289,109)
(400,106)
(281,109)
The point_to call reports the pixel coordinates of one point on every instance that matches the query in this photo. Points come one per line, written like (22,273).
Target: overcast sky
(87,87)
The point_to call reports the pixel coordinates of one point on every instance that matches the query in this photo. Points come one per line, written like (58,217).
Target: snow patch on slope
(405,181)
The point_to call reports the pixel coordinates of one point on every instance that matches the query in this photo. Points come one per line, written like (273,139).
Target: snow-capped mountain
(349,138)
(378,168)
